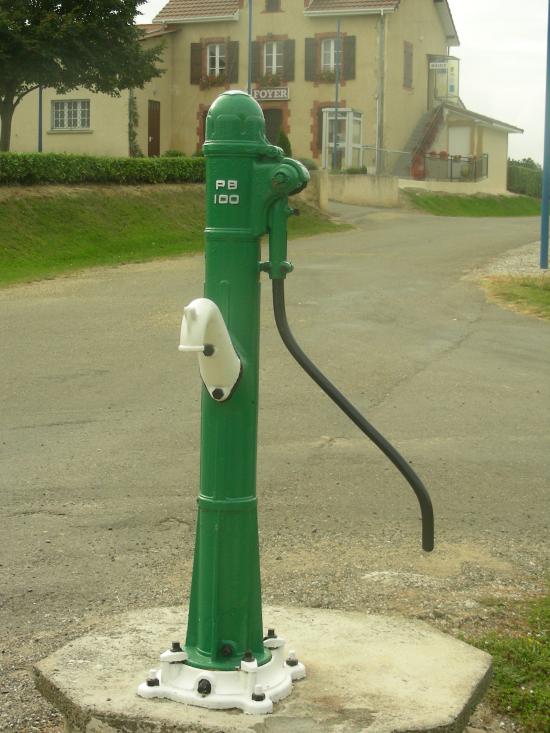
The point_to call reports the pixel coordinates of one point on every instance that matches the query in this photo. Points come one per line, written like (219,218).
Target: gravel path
(99,441)
(520,262)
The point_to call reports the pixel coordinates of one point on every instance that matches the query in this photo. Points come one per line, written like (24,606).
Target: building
(377,71)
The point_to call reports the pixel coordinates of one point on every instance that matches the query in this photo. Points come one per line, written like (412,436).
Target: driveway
(99,439)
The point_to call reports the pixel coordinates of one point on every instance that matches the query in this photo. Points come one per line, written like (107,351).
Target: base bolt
(248,656)
(209,350)
(292,660)
(153,682)
(176,647)
(258,695)
(218,394)
(227,650)
(204,687)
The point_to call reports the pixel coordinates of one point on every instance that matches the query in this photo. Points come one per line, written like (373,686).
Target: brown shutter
(408,65)
(233,62)
(348,66)
(311,59)
(288,60)
(196,63)
(257,66)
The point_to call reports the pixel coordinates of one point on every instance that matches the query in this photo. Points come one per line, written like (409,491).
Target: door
(154,129)
(273,123)
(348,134)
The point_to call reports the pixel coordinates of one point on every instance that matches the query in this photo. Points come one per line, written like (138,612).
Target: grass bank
(530,295)
(521,651)
(54,230)
(478,205)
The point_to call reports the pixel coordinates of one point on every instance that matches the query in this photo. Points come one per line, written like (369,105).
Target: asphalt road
(99,431)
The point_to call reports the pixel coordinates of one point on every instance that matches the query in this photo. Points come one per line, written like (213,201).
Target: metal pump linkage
(226,661)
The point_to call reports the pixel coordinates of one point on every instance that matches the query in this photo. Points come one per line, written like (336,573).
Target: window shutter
(233,62)
(257,65)
(348,67)
(311,59)
(288,60)
(408,65)
(196,63)
(319,141)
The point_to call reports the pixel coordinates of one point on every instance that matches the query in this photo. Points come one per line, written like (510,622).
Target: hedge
(524,180)
(32,168)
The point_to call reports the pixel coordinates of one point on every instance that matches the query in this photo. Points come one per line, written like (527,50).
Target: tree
(284,143)
(65,44)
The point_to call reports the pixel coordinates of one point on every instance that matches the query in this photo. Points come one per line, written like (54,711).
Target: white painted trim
(353,11)
(70,131)
(199,19)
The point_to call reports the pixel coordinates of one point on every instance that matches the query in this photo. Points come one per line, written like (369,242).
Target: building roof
(481,119)
(154,30)
(365,7)
(180,11)
(189,11)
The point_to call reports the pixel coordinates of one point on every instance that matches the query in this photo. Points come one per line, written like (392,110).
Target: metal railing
(456,167)
(404,164)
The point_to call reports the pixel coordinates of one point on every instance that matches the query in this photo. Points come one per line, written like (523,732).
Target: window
(72,114)
(323,57)
(273,57)
(272,6)
(214,62)
(328,54)
(408,65)
(273,61)
(215,59)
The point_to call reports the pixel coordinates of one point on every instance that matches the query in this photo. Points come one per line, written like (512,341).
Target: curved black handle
(345,405)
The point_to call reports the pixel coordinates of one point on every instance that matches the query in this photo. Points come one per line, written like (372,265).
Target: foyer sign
(271,95)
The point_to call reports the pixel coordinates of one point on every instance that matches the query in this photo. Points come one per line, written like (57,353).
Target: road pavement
(99,438)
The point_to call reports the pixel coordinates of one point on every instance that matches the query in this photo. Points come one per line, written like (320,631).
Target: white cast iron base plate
(251,689)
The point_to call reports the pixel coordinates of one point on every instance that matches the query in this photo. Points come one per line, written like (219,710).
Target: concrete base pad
(365,673)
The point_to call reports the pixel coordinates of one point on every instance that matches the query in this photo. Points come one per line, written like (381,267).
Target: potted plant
(213,80)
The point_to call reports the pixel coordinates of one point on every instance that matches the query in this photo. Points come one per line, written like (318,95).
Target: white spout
(204,332)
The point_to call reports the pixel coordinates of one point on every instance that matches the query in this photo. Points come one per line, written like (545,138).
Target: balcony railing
(456,168)
(438,167)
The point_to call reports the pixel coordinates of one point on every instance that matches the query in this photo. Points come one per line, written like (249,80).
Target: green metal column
(225,616)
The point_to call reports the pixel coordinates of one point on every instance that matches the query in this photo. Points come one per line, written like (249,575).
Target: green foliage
(133,121)
(44,235)
(64,44)
(520,686)
(359,171)
(284,143)
(479,205)
(31,168)
(525,294)
(311,165)
(526,163)
(525,177)
(173,154)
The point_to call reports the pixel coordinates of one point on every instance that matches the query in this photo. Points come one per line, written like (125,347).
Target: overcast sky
(503,63)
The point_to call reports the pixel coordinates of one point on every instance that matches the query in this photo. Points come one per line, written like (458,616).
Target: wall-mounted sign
(443,65)
(274,94)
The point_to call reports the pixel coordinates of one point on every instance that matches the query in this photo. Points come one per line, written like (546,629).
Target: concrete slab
(365,673)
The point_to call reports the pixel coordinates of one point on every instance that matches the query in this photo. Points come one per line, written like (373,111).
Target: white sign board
(274,94)
(439,65)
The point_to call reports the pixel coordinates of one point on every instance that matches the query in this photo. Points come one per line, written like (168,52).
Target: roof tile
(182,9)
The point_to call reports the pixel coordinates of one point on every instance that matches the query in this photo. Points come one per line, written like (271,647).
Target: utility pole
(249,89)
(546,171)
(40,118)
(337,57)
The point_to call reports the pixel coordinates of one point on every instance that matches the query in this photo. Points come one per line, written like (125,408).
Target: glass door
(344,127)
